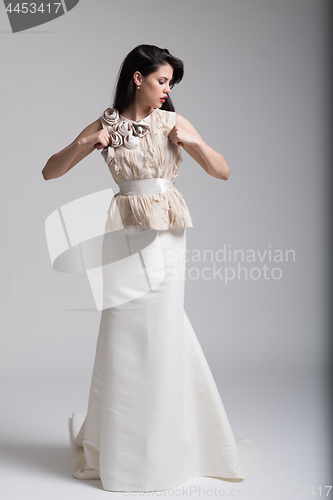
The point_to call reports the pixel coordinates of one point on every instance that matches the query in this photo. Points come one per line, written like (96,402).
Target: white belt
(145,186)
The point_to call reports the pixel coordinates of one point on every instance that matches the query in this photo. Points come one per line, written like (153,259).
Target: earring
(138,88)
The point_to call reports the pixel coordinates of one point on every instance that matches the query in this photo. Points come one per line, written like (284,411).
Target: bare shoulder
(91,129)
(185,124)
(181,120)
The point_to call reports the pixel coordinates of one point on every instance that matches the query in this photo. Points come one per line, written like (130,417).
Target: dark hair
(146,59)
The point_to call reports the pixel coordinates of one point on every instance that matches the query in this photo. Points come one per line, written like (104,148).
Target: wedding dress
(155,417)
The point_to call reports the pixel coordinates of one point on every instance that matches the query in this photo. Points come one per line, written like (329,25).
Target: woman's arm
(91,138)
(185,135)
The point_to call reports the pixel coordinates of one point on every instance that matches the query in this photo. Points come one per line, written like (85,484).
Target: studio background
(256,89)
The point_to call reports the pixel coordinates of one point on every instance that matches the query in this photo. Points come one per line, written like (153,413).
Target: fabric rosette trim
(123,133)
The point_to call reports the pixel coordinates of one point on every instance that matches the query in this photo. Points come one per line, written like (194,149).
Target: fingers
(105,139)
(172,135)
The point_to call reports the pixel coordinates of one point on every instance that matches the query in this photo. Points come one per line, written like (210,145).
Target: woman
(155,418)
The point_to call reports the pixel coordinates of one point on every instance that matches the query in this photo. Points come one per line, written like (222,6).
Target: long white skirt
(155,417)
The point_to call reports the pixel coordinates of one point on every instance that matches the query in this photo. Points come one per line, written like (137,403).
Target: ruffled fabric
(141,150)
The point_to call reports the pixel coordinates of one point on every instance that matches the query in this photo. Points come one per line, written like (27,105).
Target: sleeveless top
(141,150)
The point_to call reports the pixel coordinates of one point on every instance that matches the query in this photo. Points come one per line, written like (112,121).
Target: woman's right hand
(98,140)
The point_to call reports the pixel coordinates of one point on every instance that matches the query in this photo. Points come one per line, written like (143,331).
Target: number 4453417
(31,7)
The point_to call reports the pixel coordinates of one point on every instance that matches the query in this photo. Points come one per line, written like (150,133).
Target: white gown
(155,417)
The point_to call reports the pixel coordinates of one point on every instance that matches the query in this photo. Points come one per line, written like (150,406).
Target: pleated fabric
(155,417)
(155,156)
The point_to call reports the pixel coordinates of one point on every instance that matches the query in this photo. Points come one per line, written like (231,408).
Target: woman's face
(155,87)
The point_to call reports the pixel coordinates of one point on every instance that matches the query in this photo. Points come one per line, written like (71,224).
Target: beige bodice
(141,150)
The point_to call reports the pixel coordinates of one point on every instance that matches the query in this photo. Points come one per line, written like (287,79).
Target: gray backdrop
(255,88)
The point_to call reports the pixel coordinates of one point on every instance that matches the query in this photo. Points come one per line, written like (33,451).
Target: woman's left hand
(179,136)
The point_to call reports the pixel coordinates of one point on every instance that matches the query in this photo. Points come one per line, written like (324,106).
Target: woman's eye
(161,82)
